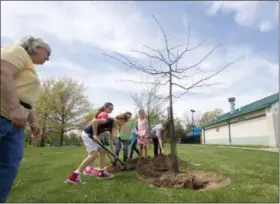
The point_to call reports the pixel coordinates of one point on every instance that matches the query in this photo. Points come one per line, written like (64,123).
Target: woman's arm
(8,88)
(8,94)
(31,118)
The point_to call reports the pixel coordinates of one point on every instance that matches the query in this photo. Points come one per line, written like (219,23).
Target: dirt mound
(157,172)
(193,180)
(160,163)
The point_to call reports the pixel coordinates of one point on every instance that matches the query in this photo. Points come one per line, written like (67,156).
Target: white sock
(88,168)
(77,171)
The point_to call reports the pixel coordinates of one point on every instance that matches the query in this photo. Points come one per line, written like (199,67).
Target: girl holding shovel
(90,135)
(103,113)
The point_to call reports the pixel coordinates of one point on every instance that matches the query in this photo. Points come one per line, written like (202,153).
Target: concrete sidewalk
(271,149)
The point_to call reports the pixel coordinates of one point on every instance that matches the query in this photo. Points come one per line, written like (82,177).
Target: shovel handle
(111,153)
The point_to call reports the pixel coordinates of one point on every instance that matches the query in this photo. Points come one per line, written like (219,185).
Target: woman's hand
(35,130)
(17,118)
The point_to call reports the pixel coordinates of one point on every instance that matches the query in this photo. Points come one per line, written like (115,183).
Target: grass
(254,178)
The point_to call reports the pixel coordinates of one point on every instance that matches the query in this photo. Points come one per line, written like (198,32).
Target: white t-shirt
(155,131)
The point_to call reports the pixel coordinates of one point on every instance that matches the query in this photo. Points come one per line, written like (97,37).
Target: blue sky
(80,32)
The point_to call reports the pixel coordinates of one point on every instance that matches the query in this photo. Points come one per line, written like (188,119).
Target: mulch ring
(157,172)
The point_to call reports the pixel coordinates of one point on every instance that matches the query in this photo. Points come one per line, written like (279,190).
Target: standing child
(104,111)
(90,135)
(143,133)
(157,135)
(124,137)
(134,138)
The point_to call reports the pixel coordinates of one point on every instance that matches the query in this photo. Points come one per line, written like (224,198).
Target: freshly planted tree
(166,66)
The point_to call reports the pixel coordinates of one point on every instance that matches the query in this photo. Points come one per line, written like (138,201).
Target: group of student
(120,130)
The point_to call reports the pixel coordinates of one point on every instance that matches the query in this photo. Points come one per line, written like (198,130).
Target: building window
(217,129)
(269,110)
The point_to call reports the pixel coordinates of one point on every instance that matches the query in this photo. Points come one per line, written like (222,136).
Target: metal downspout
(229,132)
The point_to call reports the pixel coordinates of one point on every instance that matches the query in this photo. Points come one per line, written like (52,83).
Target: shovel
(112,154)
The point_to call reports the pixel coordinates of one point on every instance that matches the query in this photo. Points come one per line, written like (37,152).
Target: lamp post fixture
(193,111)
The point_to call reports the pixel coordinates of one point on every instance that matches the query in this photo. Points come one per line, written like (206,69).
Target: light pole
(193,111)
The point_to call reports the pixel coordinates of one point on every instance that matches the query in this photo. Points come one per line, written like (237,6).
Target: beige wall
(217,135)
(263,130)
(251,132)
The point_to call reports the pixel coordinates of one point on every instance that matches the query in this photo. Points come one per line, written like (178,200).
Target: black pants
(156,147)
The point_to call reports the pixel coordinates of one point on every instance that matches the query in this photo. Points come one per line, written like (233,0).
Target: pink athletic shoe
(91,172)
(104,174)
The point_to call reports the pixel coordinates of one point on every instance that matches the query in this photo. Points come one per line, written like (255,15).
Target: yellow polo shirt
(26,79)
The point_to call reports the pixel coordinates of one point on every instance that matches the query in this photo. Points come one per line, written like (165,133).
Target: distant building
(254,124)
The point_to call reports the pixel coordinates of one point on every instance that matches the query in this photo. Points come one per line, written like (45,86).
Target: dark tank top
(108,126)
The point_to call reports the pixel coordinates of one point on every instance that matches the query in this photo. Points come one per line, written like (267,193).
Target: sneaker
(104,174)
(74,178)
(91,172)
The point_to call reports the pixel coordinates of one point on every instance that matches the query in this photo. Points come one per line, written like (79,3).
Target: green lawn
(254,178)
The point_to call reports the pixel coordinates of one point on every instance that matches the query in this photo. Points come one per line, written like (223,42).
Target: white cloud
(108,25)
(119,26)
(265,26)
(259,14)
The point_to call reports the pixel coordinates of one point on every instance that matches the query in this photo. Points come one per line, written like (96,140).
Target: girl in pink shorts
(143,133)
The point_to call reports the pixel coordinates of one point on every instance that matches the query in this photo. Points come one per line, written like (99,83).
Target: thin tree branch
(143,82)
(148,55)
(196,84)
(177,46)
(165,39)
(157,51)
(139,67)
(195,65)
(179,77)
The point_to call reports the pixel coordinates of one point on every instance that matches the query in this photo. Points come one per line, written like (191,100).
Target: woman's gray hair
(30,44)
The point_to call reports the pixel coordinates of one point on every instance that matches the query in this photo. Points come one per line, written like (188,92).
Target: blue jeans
(133,148)
(125,144)
(11,152)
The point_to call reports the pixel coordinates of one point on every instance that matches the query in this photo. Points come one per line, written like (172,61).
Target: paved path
(248,148)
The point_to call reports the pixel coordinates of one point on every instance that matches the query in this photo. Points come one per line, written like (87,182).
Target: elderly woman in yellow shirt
(20,88)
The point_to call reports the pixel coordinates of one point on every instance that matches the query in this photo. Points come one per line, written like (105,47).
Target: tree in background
(179,128)
(198,119)
(44,109)
(191,120)
(150,103)
(87,117)
(210,115)
(72,138)
(69,105)
(61,107)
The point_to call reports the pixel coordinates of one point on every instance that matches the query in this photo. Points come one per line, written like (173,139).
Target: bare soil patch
(157,172)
